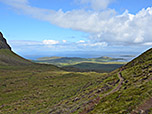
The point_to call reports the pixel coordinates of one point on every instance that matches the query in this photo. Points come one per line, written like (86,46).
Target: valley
(35,88)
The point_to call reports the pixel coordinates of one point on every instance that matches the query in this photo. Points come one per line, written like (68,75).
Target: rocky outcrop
(3,43)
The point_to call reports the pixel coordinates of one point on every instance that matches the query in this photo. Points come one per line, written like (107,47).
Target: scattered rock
(76,99)
(126,81)
(99,90)
(125,88)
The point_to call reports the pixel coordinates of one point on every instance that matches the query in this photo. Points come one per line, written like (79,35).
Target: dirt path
(97,100)
(118,87)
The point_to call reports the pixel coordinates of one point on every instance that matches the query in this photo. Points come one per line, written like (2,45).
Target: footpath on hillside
(97,100)
(118,87)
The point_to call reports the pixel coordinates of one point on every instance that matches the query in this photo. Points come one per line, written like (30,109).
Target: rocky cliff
(3,43)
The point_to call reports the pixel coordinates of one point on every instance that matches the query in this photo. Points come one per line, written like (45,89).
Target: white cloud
(103,44)
(24,42)
(50,42)
(127,29)
(97,4)
(13,2)
(103,26)
(148,44)
(98,44)
(81,41)
(64,41)
(53,45)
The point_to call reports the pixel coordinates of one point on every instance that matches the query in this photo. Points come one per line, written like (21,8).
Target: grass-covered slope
(136,89)
(141,59)
(40,89)
(127,90)
(35,90)
(8,57)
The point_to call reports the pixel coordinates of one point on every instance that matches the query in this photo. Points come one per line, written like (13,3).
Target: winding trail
(118,87)
(94,102)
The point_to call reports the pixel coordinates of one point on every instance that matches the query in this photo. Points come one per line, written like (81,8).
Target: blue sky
(52,27)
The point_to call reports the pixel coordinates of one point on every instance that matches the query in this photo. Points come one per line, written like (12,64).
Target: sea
(127,56)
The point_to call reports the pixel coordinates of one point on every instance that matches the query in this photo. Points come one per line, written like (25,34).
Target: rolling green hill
(63,61)
(77,64)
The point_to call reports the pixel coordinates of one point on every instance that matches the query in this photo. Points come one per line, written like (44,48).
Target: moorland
(28,87)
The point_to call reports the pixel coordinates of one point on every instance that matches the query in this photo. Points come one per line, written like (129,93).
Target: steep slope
(8,57)
(3,43)
(135,94)
(141,59)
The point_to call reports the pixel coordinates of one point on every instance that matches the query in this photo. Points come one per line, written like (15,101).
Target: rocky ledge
(3,43)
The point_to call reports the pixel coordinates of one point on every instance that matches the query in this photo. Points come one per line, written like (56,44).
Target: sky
(76,27)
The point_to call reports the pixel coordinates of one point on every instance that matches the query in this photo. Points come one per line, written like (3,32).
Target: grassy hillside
(37,89)
(47,89)
(136,89)
(28,88)
(7,57)
(143,58)
(126,90)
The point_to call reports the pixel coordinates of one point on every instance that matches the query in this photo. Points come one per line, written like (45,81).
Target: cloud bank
(102,24)
(55,45)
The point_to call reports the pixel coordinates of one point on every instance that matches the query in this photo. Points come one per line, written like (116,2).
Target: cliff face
(3,43)
(8,57)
